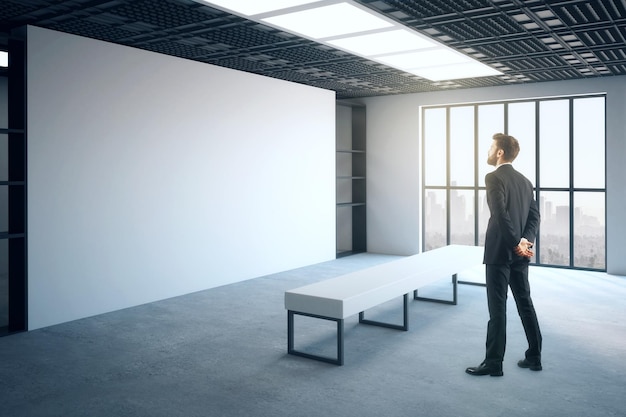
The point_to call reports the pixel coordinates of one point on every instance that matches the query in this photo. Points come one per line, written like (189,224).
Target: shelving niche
(351,184)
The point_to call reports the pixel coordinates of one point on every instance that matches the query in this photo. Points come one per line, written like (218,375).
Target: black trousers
(499,278)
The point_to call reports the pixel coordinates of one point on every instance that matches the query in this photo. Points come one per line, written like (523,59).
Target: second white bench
(344,296)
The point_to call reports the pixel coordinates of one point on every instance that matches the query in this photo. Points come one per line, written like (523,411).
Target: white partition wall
(151,176)
(393,161)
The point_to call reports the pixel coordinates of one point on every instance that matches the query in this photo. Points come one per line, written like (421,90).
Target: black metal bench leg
(291,339)
(438,300)
(405,324)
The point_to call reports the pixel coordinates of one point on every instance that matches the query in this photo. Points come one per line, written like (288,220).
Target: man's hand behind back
(523,249)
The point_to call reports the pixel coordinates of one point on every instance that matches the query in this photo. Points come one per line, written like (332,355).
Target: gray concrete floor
(222,352)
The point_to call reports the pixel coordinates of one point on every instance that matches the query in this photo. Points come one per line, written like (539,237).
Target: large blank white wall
(151,176)
(393,160)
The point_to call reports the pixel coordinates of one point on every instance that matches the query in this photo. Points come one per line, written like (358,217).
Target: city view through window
(562,153)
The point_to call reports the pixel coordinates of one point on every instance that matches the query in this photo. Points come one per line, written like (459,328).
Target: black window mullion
(537,181)
(506,118)
(423,170)
(448,175)
(476,179)
(571,182)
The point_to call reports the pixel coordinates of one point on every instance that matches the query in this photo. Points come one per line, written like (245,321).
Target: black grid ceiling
(528,40)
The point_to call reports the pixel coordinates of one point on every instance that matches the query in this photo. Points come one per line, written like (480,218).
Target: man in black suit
(511,231)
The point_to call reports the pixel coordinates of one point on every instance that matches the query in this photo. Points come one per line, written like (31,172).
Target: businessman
(511,231)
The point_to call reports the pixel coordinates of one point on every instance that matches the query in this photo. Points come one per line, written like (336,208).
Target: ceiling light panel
(328,21)
(429,58)
(349,26)
(252,7)
(455,72)
(397,40)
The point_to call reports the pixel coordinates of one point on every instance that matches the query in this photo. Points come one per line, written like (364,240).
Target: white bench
(344,296)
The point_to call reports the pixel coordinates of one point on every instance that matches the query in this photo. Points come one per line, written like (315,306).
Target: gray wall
(151,176)
(393,160)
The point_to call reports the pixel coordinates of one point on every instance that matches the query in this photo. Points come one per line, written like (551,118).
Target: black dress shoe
(484,369)
(533,366)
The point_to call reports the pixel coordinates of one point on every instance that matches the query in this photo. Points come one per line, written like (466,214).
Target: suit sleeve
(496,198)
(532,222)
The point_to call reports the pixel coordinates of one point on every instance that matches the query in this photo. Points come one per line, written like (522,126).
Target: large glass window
(490,120)
(555,227)
(554,134)
(462,217)
(462,146)
(522,120)
(436,147)
(435,210)
(562,143)
(589,138)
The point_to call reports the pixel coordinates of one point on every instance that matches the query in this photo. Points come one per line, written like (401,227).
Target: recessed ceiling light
(384,42)
(426,58)
(521,17)
(334,20)
(455,72)
(544,14)
(553,22)
(252,7)
(531,25)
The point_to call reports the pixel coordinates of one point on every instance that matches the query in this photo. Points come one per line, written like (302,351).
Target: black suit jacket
(514,214)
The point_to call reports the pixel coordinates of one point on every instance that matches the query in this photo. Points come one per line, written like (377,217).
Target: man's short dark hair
(508,144)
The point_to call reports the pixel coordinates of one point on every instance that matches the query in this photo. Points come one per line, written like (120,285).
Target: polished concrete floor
(222,352)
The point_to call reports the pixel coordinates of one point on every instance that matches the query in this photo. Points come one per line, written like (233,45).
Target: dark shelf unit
(13,182)
(352,188)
